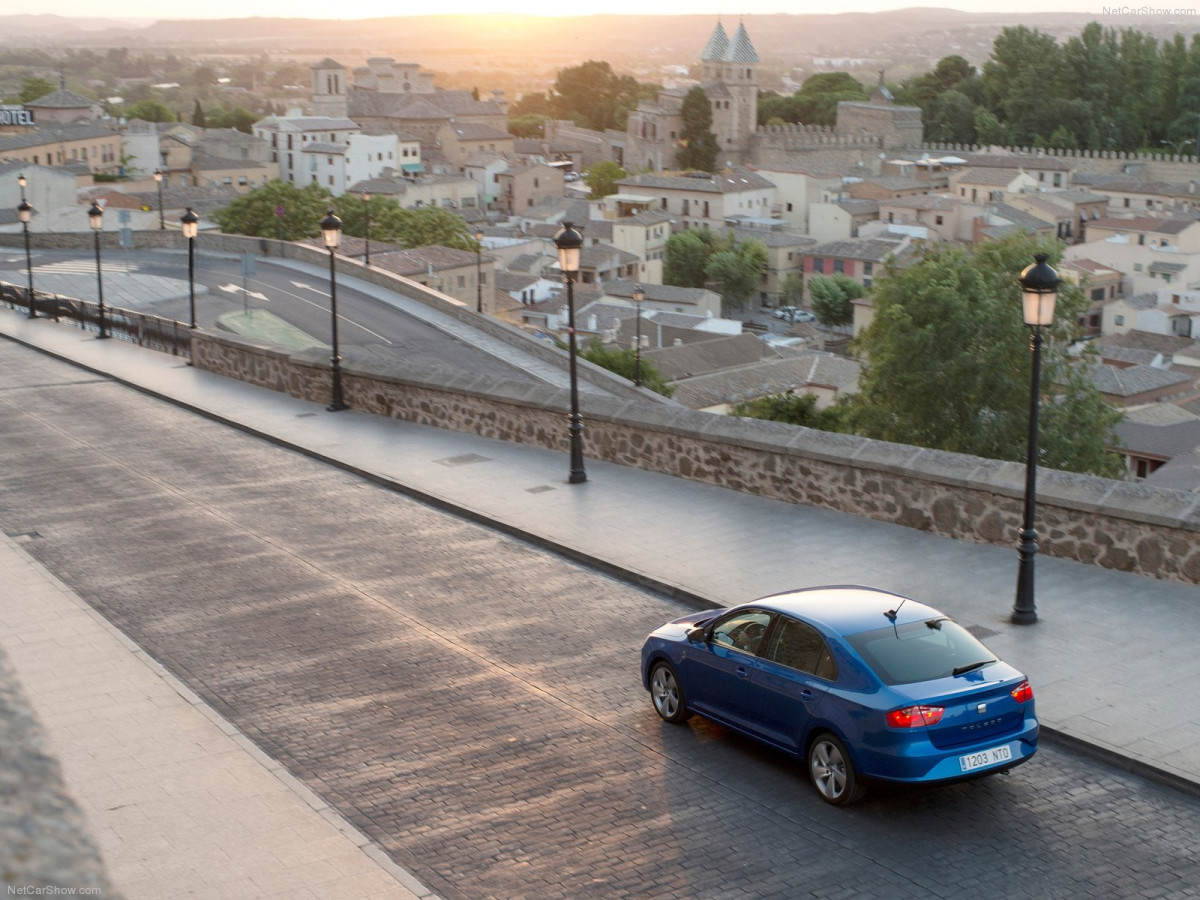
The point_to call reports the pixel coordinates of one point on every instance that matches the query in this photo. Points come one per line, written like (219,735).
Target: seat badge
(981,708)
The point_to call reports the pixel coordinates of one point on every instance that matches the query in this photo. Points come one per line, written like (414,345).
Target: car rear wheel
(832,771)
(667,694)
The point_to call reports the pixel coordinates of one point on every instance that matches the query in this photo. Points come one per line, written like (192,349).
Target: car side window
(799,646)
(743,631)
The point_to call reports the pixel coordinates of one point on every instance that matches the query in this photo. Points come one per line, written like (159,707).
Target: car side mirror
(698,635)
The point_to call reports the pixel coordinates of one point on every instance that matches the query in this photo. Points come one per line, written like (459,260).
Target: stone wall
(1115,524)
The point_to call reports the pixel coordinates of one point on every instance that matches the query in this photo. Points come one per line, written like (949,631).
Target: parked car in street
(794,314)
(860,683)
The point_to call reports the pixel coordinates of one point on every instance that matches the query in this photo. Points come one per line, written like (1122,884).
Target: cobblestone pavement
(472,703)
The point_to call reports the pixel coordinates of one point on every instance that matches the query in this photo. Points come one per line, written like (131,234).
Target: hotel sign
(16,115)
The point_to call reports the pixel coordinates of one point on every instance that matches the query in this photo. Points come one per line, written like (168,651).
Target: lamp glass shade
(189,224)
(638,295)
(21,180)
(1039,290)
(96,217)
(366,195)
(25,212)
(331,230)
(158,175)
(1038,307)
(569,243)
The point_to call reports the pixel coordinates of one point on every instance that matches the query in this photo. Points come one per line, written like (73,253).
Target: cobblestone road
(472,703)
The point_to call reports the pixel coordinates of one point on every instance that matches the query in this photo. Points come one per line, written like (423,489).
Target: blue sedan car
(859,682)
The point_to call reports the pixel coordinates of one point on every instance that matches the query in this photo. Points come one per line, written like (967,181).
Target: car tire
(667,694)
(832,771)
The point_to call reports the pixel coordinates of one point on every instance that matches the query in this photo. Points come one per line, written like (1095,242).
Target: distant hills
(913,37)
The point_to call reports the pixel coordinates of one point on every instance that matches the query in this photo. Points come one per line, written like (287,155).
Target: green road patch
(263,326)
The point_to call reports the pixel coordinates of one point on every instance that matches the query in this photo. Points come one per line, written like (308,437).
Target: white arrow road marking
(234,288)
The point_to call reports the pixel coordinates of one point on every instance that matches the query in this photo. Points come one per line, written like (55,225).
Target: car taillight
(915,716)
(1023,692)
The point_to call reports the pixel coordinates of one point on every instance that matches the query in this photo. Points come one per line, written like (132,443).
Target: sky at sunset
(366,9)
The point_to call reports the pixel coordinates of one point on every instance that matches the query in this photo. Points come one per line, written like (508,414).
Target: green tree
(737,272)
(535,103)
(593,96)
(602,178)
(790,407)
(791,289)
(424,227)
(254,213)
(34,87)
(698,145)
(686,255)
(946,362)
(623,361)
(150,111)
(832,297)
(198,115)
(530,126)
(988,129)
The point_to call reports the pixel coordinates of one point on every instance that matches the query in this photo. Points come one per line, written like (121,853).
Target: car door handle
(806,695)
(742,673)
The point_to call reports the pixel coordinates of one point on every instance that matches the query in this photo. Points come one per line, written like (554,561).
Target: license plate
(984,758)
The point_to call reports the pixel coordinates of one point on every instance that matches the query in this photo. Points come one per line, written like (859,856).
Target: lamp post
(189,224)
(21,181)
(479,270)
(366,198)
(639,294)
(569,242)
(1039,291)
(158,177)
(331,232)
(25,213)
(96,220)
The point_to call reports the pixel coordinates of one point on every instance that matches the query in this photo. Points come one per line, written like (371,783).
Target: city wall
(1114,524)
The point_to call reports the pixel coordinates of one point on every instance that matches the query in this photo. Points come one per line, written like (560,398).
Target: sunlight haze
(367,9)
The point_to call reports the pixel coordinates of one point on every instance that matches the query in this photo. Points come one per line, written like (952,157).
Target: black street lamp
(479,270)
(331,232)
(25,213)
(366,198)
(189,224)
(569,242)
(639,295)
(21,182)
(1039,290)
(96,220)
(158,177)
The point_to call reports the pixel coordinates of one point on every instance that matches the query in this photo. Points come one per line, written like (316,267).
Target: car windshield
(919,651)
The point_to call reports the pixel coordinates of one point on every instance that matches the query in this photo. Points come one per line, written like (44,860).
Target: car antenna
(891,613)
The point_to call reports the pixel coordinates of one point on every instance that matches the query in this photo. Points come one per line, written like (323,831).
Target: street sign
(279,211)
(125,236)
(248,265)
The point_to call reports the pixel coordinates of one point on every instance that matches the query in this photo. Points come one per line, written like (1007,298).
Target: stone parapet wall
(1115,524)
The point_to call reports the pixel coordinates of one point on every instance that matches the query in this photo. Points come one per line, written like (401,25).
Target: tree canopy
(593,96)
(832,296)
(815,103)
(698,145)
(623,362)
(946,363)
(699,258)
(253,213)
(602,178)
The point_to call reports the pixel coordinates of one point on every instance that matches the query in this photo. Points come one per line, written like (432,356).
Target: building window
(937,220)
(1119,320)
(839,266)
(462,281)
(868,268)
(819,266)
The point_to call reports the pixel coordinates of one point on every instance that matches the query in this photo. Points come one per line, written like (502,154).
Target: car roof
(848,608)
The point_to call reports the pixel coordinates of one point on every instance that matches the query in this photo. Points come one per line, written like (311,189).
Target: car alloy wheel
(832,771)
(667,694)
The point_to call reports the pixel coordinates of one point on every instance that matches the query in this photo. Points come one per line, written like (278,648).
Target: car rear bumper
(922,763)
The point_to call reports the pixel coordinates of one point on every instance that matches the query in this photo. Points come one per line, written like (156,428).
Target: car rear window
(918,651)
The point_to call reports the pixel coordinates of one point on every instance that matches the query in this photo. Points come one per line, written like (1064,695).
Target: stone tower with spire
(729,78)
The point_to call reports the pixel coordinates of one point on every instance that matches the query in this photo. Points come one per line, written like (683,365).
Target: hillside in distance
(903,41)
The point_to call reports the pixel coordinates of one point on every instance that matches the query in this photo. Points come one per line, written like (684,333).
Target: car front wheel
(667,694)
(832,771)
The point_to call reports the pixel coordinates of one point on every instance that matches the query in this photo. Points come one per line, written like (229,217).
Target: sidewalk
(1113,659)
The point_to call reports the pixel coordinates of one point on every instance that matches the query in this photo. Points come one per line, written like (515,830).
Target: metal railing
(152,332)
